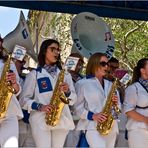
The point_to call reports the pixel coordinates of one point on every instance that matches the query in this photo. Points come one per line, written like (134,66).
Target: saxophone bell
(64,99)
(115,112)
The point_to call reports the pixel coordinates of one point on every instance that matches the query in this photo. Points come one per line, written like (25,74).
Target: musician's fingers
(103,118)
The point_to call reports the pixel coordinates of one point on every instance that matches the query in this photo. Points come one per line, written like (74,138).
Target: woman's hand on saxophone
(11,78)
(115,99)
(99,117)
(64,87)
(46,108)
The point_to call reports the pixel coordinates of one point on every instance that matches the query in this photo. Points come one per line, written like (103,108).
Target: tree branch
(133,30)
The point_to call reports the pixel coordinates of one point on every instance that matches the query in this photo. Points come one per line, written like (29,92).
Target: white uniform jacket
(135,94)
(91,97)
(32,91)
(14,108)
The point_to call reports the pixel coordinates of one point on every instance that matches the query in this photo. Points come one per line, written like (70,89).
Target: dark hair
(93,63)
(1,39)
(43,50)
(114,60)
(136,72)
(2,55)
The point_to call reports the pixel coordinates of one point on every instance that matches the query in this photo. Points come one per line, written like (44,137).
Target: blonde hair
(93,63)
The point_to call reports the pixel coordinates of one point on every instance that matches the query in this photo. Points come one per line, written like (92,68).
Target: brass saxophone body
(58,100)
(105,127)
(6,90)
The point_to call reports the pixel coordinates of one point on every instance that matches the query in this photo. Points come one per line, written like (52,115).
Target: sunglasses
(103,63)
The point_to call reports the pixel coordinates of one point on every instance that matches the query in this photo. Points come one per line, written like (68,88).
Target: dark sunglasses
(103,63)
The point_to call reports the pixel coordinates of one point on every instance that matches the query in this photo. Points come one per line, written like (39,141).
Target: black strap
(143,86)
(141,107)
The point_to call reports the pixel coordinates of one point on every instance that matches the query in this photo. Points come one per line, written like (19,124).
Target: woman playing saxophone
(38,98)
(10,113)
(92,93)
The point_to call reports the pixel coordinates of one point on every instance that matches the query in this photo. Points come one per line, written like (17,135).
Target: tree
(131,37)
(131,40)
(51,25)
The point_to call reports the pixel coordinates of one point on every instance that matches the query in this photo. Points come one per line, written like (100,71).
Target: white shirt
(14,108)
(91,97)
(31,93)
(135,94)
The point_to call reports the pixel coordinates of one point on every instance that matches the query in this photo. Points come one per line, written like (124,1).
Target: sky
(9,18)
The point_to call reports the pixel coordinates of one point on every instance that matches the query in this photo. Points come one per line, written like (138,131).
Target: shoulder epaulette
(39,69)
(90,76)
(22,77)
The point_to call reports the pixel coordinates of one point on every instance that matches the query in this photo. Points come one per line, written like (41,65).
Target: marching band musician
(136,106)
(36,95)
(113,65)
(9,129)
(92,94)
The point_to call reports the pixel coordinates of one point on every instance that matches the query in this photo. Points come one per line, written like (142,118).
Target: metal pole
(37,38)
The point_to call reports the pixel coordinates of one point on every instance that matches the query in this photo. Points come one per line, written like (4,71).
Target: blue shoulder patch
(89,76)
(39,69)
(44,84)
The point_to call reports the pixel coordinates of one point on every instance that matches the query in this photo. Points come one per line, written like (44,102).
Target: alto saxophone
(6,90)
(58,100)
(105,127)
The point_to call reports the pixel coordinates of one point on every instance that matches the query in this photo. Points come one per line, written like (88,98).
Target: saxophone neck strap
(143,86)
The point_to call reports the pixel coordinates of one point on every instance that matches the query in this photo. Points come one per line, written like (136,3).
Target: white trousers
(9,132)
(25,135)
(48,139)
(138,138)
(95,140)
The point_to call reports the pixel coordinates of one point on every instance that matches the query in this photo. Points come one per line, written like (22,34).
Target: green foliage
(60,24)
(33,16)
(131,40)
(131,37)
